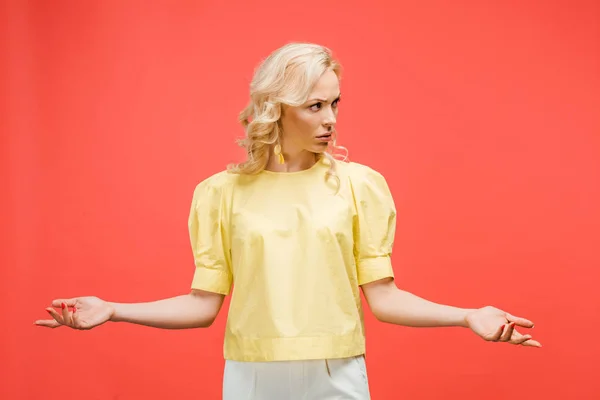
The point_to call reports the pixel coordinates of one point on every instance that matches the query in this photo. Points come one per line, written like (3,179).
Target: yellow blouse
(295,251)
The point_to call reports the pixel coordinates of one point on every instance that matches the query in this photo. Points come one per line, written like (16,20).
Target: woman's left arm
(393,305)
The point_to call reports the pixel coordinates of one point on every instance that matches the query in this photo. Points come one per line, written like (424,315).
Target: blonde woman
(300,233)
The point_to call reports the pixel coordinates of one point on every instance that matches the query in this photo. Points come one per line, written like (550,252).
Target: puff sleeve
(374,227)
(209,238)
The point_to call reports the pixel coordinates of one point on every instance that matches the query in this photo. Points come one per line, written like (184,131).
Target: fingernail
(63,305)
(74,309)
(48,311)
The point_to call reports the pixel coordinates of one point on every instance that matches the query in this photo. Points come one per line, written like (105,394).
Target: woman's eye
(318,106)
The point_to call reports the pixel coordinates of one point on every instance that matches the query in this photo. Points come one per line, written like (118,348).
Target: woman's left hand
(495,325)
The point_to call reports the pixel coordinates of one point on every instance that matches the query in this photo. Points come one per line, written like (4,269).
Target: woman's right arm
(197,309)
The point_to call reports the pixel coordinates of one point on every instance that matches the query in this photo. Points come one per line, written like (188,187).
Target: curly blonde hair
(286,76)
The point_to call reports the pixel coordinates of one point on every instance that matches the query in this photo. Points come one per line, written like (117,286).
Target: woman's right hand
(78,313)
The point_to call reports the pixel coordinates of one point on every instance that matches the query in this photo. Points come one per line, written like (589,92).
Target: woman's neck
(293,163)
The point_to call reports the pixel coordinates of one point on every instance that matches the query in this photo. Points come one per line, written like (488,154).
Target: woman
(299,232)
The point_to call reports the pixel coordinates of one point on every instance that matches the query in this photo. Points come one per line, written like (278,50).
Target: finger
(57,317)
(519,321)
(496,336)
(524,340)
(532,343)
(48,323)
(519,338)
(67,320)
(69,302)
(76,321)
(508,332)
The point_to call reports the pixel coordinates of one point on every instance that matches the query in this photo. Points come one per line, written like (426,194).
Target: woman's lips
(324,138)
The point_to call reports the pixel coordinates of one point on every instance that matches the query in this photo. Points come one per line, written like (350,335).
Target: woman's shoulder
(358,171)
(216,182)
(366,181)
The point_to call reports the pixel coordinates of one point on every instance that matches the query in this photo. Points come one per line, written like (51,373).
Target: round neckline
(301,172)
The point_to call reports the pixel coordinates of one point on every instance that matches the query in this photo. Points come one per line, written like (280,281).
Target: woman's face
(309,127)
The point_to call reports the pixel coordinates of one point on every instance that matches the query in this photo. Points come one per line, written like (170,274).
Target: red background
(483,116)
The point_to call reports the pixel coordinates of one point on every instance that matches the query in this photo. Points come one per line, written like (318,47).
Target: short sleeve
(208,237)
(374,227)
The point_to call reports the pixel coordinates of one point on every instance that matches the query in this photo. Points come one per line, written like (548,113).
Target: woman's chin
(320,148)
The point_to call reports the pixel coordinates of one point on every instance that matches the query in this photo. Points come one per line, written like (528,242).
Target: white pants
(340,379)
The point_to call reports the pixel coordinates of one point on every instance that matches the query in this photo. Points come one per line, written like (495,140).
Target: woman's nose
(330,118)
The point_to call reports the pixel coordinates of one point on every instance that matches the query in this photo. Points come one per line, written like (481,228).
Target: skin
(303,124)
(198,309)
